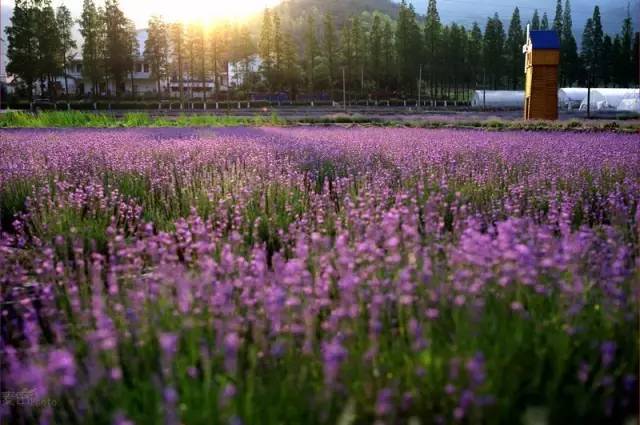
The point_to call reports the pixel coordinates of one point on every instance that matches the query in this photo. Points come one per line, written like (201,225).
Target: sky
(189,10)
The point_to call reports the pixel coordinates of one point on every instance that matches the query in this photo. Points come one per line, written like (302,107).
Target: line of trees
(40,43)
(377,55)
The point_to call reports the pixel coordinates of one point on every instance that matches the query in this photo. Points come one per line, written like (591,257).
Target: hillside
(466,11)
(298,10)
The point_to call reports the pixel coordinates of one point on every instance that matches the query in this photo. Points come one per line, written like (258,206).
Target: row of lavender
(318,276)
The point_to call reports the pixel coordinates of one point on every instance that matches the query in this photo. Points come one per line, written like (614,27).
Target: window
(146,67)
(79,68)
(138,67)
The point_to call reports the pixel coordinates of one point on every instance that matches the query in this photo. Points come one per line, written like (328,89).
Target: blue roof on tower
(545,39)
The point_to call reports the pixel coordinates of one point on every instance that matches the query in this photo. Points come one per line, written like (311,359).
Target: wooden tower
(542,53)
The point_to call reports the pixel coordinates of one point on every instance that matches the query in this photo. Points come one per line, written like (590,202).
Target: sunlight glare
(211,10)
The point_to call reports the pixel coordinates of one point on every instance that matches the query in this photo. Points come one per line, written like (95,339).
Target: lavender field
(319,276)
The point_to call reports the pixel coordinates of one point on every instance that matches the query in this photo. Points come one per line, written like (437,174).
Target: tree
(191,56)
(626,69)
(265,45)
(558,19)
(474,54)
(616,62)
(587,52)
(23,43)
(408,47)
(609,54)
(197,58)
(278,53)
(597,45)
(636,56)
(91,29)
(375,50)
(346,53)
(432,37)
(330,48)
(569,59)
(177,42)
(359,52)
(310,53)
(132,51)
(493,50)
(514,44)
(388,56)
(291,70)
(156,50)
(244,49)
(48,61)
(117,44)
(64,24)
(218,54)
(454,46)
(544,24)
(535,21)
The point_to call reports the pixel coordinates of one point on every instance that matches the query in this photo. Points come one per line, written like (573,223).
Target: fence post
(217,105)
(204,106)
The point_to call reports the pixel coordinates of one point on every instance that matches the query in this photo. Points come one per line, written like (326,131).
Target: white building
(238,70)
(142,83)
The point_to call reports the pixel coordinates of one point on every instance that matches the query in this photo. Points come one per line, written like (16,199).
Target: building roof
(544,39)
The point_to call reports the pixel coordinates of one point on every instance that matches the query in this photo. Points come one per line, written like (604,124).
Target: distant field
(494,120)
(319,276)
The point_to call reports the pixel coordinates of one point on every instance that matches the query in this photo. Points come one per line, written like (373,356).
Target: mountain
(341,10)
(467,11)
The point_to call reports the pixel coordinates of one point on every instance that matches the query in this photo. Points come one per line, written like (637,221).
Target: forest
(370,54)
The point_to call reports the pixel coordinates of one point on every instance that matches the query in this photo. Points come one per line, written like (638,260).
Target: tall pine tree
(432,37)
(92,31)
(558,19)
(535,21)
(626,69)
(493,51)
(544,24)
(569,59)
(375,50)
(156,50)
(515,40)
(64,24)
(266,45)
(310,53)
(23,43)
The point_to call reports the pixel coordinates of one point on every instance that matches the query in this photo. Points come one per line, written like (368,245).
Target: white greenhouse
(608,99)
(571,97)
(631,104)
(498,99)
